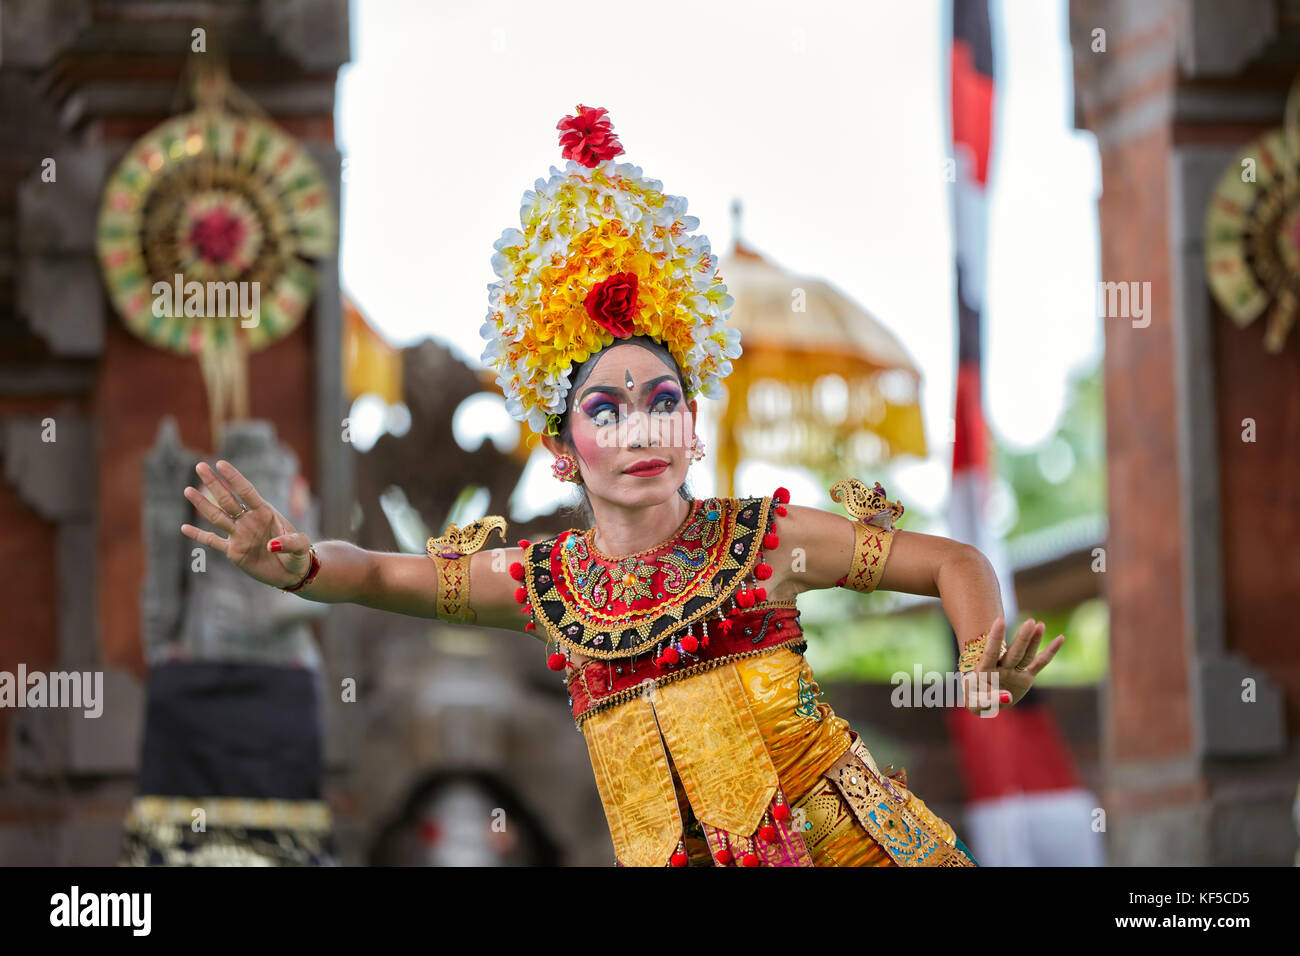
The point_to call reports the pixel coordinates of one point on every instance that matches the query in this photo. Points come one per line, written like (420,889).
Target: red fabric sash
(597,681)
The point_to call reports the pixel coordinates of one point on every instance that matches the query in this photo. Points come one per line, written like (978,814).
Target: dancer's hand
(252,532)
(1015,671)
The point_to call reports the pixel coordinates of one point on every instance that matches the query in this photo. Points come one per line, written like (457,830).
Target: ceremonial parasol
(822,382)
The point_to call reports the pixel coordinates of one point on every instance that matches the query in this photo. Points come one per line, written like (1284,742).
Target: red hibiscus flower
(612,303)
(588,137)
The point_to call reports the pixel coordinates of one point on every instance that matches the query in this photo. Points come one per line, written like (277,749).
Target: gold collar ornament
(618,607)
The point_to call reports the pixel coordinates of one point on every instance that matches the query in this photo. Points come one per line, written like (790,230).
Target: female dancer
(674,619)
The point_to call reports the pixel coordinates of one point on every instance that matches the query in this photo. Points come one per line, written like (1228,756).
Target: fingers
(983,692)
(205,538)
(1019,647)
(1045,658)
(296,543)
(1031,649)
(216,517)
(226,499)
(241,485)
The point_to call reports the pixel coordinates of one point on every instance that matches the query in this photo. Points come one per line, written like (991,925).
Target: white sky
(826,119)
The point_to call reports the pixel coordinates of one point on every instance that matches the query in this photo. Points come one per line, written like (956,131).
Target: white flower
(732,349)
(509,238)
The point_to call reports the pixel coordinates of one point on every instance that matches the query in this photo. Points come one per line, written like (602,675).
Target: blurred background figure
(464,818)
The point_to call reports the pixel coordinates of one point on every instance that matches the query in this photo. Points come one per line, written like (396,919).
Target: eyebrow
(616,390)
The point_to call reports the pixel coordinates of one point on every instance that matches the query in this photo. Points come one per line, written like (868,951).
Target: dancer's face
(628,410)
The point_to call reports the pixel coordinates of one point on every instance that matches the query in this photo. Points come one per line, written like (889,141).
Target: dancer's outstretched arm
(403,583)
(958,574)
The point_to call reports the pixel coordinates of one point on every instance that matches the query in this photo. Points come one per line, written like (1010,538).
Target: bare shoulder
(817,551)
(494,583)
(813,550)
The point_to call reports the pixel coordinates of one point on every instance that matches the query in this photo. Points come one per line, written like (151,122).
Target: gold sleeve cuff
(451,552)
(870,552)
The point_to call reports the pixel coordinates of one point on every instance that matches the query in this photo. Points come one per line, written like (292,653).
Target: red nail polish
(1004,696)
(275,545)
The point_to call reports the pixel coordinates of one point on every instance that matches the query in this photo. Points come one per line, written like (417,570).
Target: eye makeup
(597,397)
(666,390)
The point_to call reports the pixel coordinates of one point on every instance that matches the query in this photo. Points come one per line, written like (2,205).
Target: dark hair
(582,508)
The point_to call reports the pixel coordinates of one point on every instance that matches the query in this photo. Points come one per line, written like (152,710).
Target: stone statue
(232,763)
(198,608)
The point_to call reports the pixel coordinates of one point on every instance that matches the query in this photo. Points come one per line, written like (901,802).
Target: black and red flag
(1025,805)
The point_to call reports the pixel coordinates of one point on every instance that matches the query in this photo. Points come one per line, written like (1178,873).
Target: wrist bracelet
(311,573)
(973,650)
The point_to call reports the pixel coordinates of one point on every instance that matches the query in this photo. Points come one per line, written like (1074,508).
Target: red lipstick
(647,468)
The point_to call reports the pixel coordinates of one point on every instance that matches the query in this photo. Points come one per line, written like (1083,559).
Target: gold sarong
(713,748)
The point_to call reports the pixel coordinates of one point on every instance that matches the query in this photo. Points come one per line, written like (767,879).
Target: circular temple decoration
(224,211)
(1252,236)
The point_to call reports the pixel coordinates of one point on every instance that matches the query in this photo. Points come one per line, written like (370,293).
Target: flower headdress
(603,254)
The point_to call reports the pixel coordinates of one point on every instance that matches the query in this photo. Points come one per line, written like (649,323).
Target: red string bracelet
(311,573)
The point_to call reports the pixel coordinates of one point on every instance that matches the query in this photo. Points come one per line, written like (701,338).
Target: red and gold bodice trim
(649,602)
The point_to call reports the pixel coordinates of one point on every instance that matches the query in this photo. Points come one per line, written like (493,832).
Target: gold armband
(451,552)
(873,531)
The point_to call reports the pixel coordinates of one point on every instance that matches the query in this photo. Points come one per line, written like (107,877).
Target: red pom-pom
(724,856)
(530,626)
(763,572)
(749,859)
(521,595)
(724,627)
(781,510)
(690,644)
(526,610)
(781,812)
(781,494)
(516,570)
(555,662)
(767,834)
(524,542)
(770,541)
(680,859)
(589,137)
(670,655)
(745,598)
(704,641)
(760,594)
